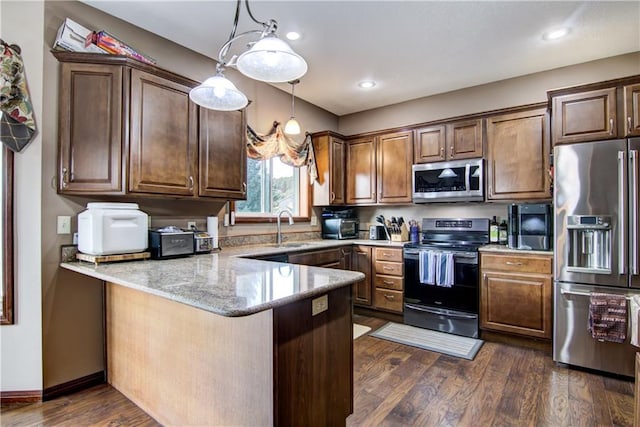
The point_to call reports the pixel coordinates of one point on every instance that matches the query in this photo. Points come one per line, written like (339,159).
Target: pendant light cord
(293,98)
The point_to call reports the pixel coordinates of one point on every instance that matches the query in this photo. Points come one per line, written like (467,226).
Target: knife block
(402,236)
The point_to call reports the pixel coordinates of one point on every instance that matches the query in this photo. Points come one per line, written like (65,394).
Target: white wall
(21,22)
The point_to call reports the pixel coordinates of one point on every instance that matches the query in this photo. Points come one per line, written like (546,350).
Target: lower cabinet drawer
(390,268)
(389,282)
(388,300)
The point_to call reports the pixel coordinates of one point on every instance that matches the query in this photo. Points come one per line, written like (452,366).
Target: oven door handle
(448,313)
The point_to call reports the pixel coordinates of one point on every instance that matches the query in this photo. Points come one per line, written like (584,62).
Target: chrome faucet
(279,235)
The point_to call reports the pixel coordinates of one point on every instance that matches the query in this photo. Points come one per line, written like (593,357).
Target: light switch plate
(64,225)
(319,305)
(314,220)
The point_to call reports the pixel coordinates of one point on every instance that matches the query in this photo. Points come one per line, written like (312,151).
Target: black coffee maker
(530,226)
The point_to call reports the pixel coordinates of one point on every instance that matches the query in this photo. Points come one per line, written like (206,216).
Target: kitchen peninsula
(215,339)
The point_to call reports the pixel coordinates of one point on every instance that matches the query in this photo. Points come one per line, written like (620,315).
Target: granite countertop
(507,250)
(225,282)
(222,284)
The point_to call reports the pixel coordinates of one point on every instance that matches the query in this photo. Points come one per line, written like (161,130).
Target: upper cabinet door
(361,171)
(163,136)
(585,116)
(395,156)
(464,140)
(90,129)
(337,161)
(429,144)
(223,154)
(518,156)
(632,110)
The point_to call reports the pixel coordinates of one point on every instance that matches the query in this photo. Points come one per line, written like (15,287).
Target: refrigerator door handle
(622,212)
(584,294)
(633,190)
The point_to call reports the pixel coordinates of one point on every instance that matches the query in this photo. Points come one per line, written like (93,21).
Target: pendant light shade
(292,127)
(271,60)
(218,93)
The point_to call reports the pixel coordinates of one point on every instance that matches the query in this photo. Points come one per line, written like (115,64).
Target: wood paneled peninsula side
(219,340)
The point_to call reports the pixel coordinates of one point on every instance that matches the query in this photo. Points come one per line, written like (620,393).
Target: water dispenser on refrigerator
(589,244)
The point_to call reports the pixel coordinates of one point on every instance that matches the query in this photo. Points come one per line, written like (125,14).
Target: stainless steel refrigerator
(596,246)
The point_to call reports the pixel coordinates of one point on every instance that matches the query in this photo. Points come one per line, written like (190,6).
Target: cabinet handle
(65,178)
(513,263)
(389,297)
(387,268)
(387,282)
(610,126)
(451,151)
(190,182)
(442,152)
(244,188)
(333,196)
(629,123)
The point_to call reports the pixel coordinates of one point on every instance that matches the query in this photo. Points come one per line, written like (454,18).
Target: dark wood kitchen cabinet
(379,168)
(361,261)
(516,294)
(584,116)
(330,154)
(518,153)
(394,159)
(361,171)
(129,128)
(223,154)
(388,279)
(632,109)
(91,129)
(451,141)
(163,136)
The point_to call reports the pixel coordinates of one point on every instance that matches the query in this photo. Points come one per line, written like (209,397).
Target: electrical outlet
(191,225)
(319,305)
(64,225)
(314,220)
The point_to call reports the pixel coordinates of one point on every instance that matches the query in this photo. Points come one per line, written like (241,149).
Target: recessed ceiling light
(555,34)
(292,35)
(367,84)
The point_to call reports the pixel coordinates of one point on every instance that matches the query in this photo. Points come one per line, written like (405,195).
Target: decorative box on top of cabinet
(117,136)
(379,168)
(451,141)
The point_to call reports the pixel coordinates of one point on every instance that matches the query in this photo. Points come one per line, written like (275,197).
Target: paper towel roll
(212,229)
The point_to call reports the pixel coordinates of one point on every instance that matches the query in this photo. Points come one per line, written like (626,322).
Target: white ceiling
(411,48)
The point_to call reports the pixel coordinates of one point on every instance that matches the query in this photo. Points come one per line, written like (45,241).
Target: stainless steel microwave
(457,180)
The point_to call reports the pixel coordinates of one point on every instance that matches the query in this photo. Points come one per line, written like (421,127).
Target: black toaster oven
(170,242)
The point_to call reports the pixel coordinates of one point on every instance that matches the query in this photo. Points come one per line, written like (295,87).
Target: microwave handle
(467,177)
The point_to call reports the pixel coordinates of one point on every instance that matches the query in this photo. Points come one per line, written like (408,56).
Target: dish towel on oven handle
(427,267)
(634,307)
(445,270)
(608,317)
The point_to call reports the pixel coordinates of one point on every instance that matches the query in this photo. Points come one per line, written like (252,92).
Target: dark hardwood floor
(397,385)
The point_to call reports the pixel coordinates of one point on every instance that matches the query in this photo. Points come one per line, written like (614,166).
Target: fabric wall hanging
(17,126)
(277,143)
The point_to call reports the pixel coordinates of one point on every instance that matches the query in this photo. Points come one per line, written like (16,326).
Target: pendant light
(292,127)
(269,60)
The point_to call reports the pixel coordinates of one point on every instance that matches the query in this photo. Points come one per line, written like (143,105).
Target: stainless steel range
(449,305)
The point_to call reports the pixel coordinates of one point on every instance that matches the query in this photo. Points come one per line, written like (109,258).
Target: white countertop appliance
(112,228)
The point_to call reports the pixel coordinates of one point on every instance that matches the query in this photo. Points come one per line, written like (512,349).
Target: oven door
(463,295)
(459,180)
(453,310)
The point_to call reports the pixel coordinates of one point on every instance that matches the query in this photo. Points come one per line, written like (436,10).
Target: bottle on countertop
(502,232)
(493,230)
